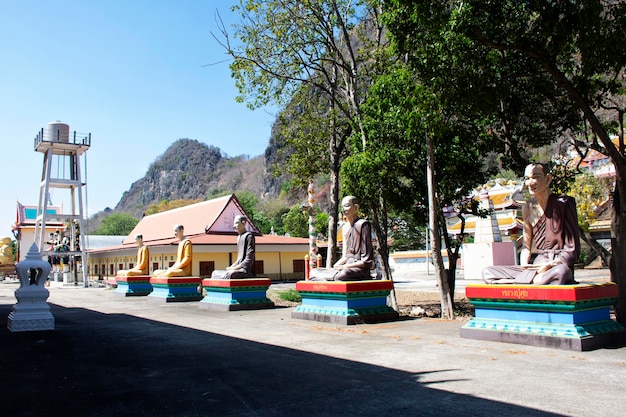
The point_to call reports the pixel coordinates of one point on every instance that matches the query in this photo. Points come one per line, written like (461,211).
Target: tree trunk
(447,310)
(604,254)
(618,258)
(334,202)
(618,229)
(453,256)
(383,249)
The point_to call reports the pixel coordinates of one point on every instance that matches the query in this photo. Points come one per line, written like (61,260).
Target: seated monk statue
(244,265)
(182,266)
(358,255)
(550,225)
(143,256)
(6,252)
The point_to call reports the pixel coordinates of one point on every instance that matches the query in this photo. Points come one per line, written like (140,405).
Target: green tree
(329,46)
(296,223)
(305,126)
(117,224)
(250,203)
(590,194)
(576,45)
(406,234)
(400,115)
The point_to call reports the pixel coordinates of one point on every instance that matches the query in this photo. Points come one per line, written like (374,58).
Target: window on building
(298,265)
(155,266)
(111,273)
(121,266)
(258,268)
(207,268)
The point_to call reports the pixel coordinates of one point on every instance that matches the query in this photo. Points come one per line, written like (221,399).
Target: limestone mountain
(189,170)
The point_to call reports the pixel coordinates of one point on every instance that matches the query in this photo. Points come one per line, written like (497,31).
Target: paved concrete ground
(116,356)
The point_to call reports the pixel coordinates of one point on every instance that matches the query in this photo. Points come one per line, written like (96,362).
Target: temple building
(504,196)
(209,226)
(24,228)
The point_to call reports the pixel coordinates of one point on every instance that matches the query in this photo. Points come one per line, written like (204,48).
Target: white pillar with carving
(32,312)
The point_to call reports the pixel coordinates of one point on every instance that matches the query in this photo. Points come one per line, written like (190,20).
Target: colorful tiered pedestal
(173,289)
(345,302)
(236,294)
(138,285)
(575,317)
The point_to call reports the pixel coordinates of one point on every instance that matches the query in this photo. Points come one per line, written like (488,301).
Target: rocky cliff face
(193,170)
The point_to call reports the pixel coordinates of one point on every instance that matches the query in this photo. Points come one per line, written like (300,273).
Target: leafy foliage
(590,193)
(290,295)
(569,53)
(249,202)
(296,223)
(406,234)
(294,48)
(117,224)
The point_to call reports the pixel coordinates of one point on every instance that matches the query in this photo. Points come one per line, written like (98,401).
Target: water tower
(61,170)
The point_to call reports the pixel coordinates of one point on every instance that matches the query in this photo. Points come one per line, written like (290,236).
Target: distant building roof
(208,240)
(206,223)
(507,220)
(27,215)
(208,217)
(101,241)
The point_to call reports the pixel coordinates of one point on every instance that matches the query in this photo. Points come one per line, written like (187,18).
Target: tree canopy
(117,224)
(570,53)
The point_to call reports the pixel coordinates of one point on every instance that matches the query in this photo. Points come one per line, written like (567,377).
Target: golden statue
(143,256)
(6,252)
(182,266)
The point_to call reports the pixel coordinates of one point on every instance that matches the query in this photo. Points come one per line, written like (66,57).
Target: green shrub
(290,295)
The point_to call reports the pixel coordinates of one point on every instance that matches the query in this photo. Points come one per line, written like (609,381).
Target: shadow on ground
(97,364)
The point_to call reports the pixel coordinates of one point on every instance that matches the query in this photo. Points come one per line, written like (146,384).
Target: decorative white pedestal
(32,312)
(477,256)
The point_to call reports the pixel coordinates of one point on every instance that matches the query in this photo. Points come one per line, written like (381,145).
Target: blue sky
(133,73)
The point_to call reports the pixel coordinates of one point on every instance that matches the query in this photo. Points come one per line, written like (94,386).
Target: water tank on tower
(58,132)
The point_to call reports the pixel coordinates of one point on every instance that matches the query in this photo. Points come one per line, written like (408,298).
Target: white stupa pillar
(487,230)
(32,312)
(488,248)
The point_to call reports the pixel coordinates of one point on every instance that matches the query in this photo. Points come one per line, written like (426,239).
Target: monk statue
(244,265)
(551,226)
(143,257)
(6,252)
(358,254)
(182,266)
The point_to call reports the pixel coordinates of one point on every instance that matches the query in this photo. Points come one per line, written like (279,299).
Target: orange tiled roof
(502,198)
(216,239)
(212,216)
(504,223)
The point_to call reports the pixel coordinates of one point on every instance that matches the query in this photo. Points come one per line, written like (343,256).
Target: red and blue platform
(236,294)
(138,285)
(574,317)
(175,289)
(345,302)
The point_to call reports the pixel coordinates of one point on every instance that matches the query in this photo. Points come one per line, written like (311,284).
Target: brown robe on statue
(358,247)
(556,238)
